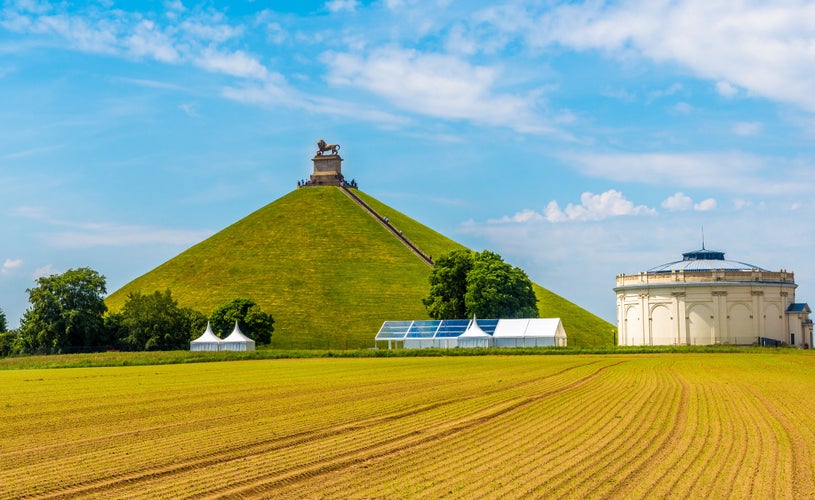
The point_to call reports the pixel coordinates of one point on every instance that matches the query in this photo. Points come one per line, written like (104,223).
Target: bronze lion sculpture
(322,147)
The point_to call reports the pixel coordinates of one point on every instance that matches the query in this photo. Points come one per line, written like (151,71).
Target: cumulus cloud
(678,201)
(705,205)
(10,264)
(437,85)
(592,207)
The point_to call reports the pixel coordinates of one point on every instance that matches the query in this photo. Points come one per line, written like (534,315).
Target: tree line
(67,314)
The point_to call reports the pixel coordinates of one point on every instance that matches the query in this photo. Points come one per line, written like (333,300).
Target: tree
(66,314)
(3,324)
(253,322)
(496,289)
(448,285)
(464,283)
(155,322)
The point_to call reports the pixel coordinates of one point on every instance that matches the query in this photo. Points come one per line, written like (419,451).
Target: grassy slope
(583,328)
(326,270)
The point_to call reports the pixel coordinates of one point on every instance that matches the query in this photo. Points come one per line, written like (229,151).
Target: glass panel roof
(423,329)
(428,329)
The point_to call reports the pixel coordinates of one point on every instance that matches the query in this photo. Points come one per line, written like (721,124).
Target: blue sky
(579,140)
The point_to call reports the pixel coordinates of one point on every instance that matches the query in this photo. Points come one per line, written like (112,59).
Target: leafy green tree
(464,283)
(448,285)
(66,314)
(496,289)
(155,322)
(3,324)
(8,341)
(253,322)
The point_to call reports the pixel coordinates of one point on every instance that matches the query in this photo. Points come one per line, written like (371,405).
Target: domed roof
(704,260)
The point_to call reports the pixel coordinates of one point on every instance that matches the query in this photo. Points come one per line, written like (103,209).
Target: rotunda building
(706,299)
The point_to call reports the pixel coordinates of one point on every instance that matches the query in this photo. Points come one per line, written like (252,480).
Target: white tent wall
(200,346)
(472,342)
(529,332)
(208,341)
(237,341)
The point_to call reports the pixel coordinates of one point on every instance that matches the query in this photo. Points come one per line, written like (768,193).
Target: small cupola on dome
(703,254)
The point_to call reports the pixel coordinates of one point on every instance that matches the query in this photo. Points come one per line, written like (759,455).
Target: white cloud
(209,30)
(678,201)
(10,264)
(437,85)
(148,40)
(747,128)
(762,47)
(592,207)
(726,89)
(705,205)
(236,63)
(526,215)
(341,5)
(731,172)
(44,271)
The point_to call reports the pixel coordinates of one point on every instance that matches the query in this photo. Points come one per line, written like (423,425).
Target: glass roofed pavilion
(706,299)
(451,333)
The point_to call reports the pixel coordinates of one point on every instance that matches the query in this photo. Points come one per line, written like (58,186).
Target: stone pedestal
(327,170)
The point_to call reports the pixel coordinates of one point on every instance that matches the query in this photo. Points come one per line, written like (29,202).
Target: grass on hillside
(327,271)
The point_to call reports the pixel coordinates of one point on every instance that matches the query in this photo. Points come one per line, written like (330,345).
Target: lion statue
(322,147)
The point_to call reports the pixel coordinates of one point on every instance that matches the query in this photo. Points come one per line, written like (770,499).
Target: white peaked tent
(474,336)
(237,341)
(529,332)
(208,341)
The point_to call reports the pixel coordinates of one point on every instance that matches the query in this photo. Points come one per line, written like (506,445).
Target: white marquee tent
(208,341)
(474,336)
(237,341)
(529,332)
(451,333)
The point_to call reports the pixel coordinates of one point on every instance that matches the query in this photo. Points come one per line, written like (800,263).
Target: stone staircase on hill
(387,225)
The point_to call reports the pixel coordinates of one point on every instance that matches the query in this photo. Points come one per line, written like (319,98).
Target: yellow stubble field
(625,426)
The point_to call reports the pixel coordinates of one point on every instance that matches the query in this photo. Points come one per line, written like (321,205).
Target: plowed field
(624,426)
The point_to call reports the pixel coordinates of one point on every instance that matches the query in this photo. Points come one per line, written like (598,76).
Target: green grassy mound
(328,272)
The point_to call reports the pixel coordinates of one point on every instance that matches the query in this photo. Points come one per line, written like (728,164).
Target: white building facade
(704,299)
